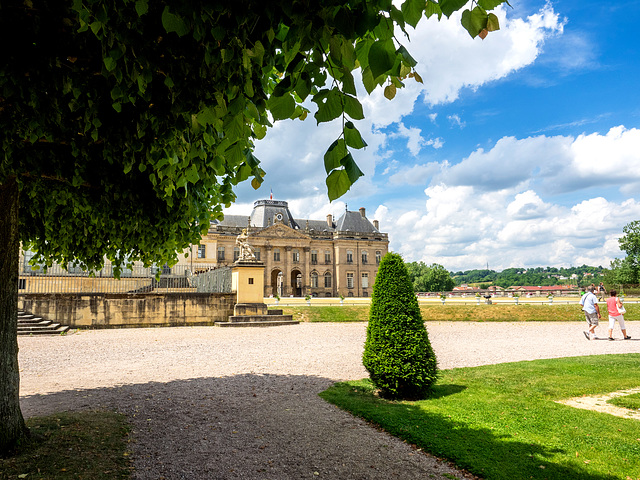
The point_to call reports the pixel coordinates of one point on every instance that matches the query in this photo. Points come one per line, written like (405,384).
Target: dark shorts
(592,318)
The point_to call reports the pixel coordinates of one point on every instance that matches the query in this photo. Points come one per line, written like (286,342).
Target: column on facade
(287,287)
(306,275)
(268,265)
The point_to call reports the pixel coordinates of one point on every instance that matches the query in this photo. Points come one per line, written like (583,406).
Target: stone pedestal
(247,280)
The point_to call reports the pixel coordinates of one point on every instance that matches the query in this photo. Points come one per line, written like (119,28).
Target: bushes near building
(397,352)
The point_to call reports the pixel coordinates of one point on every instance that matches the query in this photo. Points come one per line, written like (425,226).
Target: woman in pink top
(613,303)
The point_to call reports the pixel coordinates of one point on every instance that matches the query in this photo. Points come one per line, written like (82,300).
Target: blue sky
(522,149)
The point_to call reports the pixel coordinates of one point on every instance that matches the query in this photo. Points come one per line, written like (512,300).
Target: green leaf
(350,166)
(408,59)
(192,174)
(352,136)
(336,151)
(259,131)
(433,9)
(338,184)
(329,105)
(489,4)
(142,7)
(390,91)
(206,117)
(109,63)
(281,107)
(382,56)
(450,6)
(174,23)
(353,107)
(412,11)
(493,23)
(474,21)
(168,82)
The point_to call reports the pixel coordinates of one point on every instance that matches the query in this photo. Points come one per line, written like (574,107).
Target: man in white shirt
(591,311)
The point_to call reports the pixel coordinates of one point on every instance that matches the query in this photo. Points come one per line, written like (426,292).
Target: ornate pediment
(280,230)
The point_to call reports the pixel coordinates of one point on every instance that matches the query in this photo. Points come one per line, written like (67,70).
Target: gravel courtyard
(226,403)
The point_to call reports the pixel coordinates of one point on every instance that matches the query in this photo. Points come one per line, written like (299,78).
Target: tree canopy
(429,278)
(125,124)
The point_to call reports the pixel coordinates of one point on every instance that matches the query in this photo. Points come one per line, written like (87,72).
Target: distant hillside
(583,275)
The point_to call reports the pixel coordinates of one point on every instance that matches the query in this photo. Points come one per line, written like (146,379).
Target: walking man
(589,303)
(601,292)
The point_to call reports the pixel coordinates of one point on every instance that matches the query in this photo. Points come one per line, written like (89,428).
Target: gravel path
(225,403)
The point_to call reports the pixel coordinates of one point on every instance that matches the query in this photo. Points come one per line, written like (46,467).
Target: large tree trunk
(12,426)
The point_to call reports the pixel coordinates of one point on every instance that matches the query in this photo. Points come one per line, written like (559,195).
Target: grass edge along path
(452,312)
(501,421)
(85,445)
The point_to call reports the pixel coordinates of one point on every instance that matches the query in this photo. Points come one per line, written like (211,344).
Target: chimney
(330,220)
(376,224)
(362,212)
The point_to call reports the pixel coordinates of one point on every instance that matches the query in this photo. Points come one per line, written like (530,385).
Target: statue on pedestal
(247,253)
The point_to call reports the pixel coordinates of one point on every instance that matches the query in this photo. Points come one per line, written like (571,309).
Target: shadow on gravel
(245,426)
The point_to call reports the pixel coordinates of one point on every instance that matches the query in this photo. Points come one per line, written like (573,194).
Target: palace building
(320,258)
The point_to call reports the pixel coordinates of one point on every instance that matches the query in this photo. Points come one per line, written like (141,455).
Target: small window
(295,256)
(349,280)
(314,257)
(378,257)
(349,256)
(314,280)
(365,280)
(327,256)
(251,281)
(236,253)
(256,252)
(276,254)
(202,251)
(327,280)
(364,257)
(220,253)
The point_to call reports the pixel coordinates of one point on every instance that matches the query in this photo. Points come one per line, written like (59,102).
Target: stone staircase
(271,318)
(31,325)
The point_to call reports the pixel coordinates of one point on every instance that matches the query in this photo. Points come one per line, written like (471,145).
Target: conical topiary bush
(397,352)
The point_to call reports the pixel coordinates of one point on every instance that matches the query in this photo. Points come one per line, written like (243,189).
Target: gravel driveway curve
(226,403)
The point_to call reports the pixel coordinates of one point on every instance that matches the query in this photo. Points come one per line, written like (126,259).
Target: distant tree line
(539,276)
(429,278)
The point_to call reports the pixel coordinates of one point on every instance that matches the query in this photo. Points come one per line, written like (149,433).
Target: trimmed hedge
(397,352)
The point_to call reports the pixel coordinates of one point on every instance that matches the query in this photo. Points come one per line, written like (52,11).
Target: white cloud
(456,121)
(463,228)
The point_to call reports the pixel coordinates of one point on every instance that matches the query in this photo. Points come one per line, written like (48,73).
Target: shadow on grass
(440,391)
(479,450)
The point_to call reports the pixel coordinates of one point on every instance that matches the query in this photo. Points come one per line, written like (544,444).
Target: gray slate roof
(264,211)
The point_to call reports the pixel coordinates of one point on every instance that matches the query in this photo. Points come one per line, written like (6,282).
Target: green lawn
(501,421)
(460,312)
(631,402)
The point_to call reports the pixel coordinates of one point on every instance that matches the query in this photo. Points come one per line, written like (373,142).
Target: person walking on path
(601,292)
(613,306)
(589,303)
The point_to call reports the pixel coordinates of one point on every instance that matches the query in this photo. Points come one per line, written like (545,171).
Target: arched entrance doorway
(296,283)
(277,282)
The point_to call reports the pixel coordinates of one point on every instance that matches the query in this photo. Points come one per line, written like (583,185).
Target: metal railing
(179,278)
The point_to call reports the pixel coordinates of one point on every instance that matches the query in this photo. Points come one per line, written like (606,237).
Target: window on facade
(256,252)
(295,256)
(202,251)
(364,256)
(378,257)
(251,281)
(314,257)
(236,253)
(276,254)
(314,280)
(349,280)
(349,256)
(365,280)
(327,256)
(327,280)
(220,253)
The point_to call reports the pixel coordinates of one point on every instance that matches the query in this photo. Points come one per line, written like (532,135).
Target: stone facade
(301,257)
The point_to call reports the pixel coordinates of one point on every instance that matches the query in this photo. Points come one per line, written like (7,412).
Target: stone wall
(122,310)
